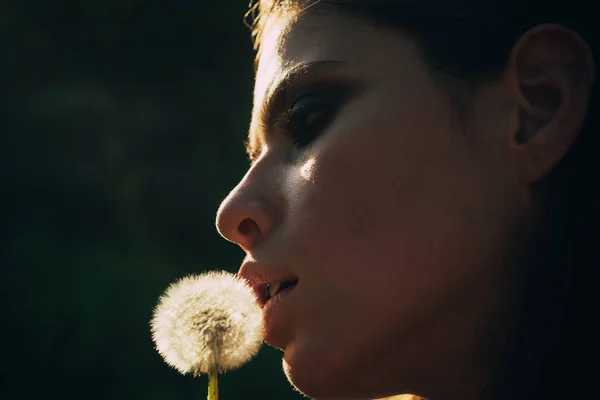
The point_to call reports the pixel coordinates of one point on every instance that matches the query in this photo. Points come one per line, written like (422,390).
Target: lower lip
(274,316)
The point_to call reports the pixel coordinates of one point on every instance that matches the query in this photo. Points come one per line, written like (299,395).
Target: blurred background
(122,130)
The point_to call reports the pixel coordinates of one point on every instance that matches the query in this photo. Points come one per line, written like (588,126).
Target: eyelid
(323,93)
(295,78)
(273,119)
(304,77)
(305,80)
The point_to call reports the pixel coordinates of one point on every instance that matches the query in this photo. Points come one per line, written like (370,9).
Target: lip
(259,275)
(275,313)
(276,317)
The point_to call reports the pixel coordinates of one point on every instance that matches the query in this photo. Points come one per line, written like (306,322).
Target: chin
(319,379)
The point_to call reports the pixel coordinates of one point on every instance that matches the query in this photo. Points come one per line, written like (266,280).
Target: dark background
(121,131)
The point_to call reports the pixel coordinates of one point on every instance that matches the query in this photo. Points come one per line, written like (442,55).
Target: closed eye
(301,118)
(310,114)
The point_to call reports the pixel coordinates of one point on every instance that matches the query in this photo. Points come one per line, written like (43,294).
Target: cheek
(395,218)
(398,234)
(377,189)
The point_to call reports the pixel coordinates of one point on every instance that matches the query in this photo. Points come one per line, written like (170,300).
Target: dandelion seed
(207,323)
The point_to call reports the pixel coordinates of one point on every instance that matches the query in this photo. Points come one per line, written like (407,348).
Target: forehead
(288,42)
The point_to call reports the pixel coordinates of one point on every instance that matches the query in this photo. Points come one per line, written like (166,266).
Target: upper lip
(260,275)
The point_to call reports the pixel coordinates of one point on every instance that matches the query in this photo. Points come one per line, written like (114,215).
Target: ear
(551,70)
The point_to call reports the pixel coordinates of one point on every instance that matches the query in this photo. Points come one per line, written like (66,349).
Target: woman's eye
(308,117)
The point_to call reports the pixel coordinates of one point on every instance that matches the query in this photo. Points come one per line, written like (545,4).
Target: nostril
(244,222)
(249,228)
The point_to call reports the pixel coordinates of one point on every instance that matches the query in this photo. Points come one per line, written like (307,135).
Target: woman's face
(393,213)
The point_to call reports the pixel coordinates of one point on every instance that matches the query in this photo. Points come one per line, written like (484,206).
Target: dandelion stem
(213,384)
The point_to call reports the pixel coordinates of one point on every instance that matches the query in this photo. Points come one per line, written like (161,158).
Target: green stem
(213,385)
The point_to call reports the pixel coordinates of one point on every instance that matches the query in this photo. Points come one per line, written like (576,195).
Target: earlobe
(552,71)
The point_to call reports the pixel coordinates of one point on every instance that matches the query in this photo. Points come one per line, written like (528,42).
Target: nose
(245,220)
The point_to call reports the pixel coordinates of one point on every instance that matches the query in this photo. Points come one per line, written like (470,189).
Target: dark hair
(467,42)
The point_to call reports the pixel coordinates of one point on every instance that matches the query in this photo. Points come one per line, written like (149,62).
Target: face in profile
(394,214)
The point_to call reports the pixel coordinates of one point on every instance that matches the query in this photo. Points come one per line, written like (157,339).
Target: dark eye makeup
(310,112)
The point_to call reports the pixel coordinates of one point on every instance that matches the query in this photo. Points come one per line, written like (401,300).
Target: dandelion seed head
(207,322)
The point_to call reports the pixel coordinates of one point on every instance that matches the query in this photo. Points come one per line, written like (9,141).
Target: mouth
(278,311)
(267,282)
(273,289)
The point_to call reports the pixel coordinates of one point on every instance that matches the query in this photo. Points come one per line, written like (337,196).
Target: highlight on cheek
(308,170)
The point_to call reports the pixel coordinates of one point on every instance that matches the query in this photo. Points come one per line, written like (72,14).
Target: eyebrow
(274,100)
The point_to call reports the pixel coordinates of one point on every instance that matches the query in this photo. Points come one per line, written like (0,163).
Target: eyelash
(292,122)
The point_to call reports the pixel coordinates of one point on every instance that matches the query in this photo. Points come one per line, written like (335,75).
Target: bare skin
(398,219)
